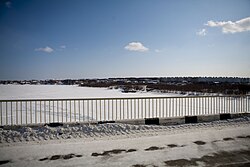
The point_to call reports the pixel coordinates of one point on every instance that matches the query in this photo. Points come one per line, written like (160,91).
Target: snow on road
(129,145)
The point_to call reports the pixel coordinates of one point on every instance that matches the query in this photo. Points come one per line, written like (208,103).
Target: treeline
(228,89)
(223,88)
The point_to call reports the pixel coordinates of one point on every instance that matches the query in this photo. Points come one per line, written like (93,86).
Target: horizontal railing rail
(38,111)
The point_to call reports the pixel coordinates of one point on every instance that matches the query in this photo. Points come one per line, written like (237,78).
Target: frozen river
(67,91)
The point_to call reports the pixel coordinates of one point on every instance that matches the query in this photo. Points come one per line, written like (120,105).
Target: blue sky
(57,39)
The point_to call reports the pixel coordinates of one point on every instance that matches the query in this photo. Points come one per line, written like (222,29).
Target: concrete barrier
(152,121)
(207,118)
(54,124)
(191,119)
(240,115)
(132,121)
(172,121)
(105,122)
(146,121)
(225,116)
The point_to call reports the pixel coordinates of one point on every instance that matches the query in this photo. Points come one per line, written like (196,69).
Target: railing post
(83,112)
(116,109)
(156,107)
(170,104)
(66,110)
(127,116)
(163,107)
(1,112)
(211,105)
(70,111)
(35,112)
(112,109)
(104,109)
(120,109)
(16,112)
(123,105)
(62,109)
(96,109)
(45,108)
(149,108)
(193,106)
(242,103)
(131,109)
(11,116)
(88,110)
(166,107)
(31,120)
(75,110)
(100,110)
(135,108)
(108,110)
(160,107)
(53,110)
(142,109)
(176,107)
(57,110)
(247,105)
(21,113)
(234,104)
(92,109)
(49,111)
(40,111)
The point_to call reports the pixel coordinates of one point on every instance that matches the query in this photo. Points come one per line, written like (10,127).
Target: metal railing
(29,111)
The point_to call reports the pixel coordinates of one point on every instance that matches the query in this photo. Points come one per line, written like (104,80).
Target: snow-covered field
(77,107)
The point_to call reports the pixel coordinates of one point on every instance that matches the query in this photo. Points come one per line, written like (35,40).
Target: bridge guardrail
(39,111)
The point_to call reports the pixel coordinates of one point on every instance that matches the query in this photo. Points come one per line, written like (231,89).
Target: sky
(59,39)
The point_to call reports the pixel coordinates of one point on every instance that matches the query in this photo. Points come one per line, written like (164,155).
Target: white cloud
(8,4)
(136,46)
(230,26)
(202,32)
(46,49)
(62,46)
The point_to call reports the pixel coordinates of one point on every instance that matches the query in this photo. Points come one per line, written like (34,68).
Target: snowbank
(93,132)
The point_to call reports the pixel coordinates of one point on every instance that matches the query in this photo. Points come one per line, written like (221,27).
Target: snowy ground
(204,144)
